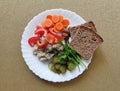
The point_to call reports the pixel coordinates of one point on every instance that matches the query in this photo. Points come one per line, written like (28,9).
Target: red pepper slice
(38,27)
(50,38)
(56,35)
(41,32)
(33,40)
(56,41)
(42,45)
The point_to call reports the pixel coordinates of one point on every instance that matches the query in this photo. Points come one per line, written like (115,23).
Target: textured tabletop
(104,71)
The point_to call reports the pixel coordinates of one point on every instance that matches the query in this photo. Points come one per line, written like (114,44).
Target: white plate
(41,68)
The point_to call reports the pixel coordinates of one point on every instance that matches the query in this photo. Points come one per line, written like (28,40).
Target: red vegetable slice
(50,38)
(56,41)
(56,35)
(38,27)
(41,32)
(42,44)
(33,40)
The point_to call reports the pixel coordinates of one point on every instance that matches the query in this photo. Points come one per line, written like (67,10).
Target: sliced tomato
(55,34)
(33,40)
(50,38)
(42,44)
(41,32)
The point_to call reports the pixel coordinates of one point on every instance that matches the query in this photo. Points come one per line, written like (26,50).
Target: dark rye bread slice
(89,25)
(85,42)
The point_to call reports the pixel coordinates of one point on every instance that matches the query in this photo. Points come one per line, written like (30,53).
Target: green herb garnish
(70,54)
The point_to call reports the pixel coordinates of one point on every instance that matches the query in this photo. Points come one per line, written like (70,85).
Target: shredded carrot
(59,26)
(48,23)
(65,22)
(61,18)
(55,18)
(49,17)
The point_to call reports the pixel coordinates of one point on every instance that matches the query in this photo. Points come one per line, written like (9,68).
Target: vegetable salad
(50,42)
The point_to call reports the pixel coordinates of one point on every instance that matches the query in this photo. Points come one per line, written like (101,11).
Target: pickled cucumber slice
(71,66)
(63,68)
(57,66)
(55,60)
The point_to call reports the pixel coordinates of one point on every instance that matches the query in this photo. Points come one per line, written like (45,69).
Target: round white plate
(41,68)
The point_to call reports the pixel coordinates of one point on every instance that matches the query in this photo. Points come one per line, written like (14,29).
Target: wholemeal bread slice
(85,42)
(73,30)
(89,25)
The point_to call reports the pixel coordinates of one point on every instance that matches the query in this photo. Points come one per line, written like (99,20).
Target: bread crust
(89,25)
(85,41)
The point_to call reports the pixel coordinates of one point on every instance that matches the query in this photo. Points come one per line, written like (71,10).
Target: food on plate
(65,22)
(59,26)
(51,42)
(89,25)
(50,30)
(59,66)
(33,40)
(57,22)
(47,53)
(67,58)
(46,35)
(85,41)
(55,18)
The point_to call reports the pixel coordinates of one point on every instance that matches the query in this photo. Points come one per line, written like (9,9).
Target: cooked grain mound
(85,41)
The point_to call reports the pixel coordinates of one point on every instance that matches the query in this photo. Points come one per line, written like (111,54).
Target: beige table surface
(104,71)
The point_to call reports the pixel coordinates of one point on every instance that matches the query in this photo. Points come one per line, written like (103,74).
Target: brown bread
(85,41)
(89,25)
